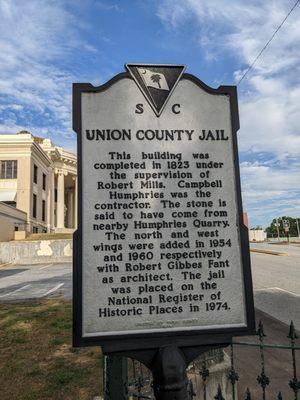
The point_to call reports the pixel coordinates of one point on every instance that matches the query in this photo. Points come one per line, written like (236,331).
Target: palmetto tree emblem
(156,78)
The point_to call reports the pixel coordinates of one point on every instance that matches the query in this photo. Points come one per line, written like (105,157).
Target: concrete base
(64,230)
(20,235)
(37,251)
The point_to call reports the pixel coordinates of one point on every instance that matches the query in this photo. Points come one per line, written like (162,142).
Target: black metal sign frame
(182,339)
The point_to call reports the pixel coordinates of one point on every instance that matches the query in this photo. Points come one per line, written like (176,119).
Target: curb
(5,265)
(274,253)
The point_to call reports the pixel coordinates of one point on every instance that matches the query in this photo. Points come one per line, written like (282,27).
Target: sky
(46,45)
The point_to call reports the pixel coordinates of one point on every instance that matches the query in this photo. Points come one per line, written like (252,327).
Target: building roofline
(46,149)
(42,152)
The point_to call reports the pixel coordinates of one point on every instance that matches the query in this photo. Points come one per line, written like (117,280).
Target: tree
(272,228)
(156,78)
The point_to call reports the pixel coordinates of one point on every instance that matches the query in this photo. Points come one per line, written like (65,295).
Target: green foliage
(272,228)
(257,228)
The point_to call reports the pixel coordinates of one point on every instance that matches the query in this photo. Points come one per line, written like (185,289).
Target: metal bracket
(168,366)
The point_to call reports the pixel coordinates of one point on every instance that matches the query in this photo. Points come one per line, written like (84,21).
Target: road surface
(22,282)
(276,281)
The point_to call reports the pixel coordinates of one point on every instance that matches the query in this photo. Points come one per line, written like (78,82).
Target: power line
(268,42)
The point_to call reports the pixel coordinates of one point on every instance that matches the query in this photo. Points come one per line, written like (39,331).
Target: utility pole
(277,226)
(298,227)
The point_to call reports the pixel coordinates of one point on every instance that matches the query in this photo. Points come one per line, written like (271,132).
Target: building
(245,220)
(11,219)
(257,235)
(39,179)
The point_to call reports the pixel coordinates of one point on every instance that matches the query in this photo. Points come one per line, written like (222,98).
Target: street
(276,281)
(22,282)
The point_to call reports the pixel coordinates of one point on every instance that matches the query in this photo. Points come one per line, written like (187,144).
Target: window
(35,229)
(34,206)
(8,169)
(44,181)
(55,195)
(43,210)
(35,173)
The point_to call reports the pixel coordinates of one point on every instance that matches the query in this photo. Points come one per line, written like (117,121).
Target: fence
(214,375)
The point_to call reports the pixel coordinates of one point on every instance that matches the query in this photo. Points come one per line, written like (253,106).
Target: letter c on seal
(175,108)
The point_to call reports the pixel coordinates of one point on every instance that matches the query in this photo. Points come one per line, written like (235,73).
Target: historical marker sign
(161,253)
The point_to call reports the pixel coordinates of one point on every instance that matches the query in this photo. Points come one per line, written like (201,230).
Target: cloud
(269,97)
(271,189)
(35,87)
(108,7)
(262,178)
(239,27)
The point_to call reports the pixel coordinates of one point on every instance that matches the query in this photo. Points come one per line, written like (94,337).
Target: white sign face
(161,244)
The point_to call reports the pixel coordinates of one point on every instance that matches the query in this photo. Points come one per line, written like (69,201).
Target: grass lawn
(37,360)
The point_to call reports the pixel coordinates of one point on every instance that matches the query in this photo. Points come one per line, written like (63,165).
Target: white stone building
(39,179)
(257,235)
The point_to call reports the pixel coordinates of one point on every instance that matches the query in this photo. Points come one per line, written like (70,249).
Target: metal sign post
(286,227)
(277,224)
(115,377)
(161,256)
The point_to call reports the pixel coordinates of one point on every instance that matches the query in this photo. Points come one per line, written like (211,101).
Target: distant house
(40,180)
(257,235)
